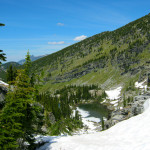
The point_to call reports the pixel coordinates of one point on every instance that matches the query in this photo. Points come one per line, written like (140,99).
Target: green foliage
(102,123)
(11,74)
(76,94)
(127,101)
(32,80)
(27,63)
(21,115)
(5,67)
(124,51)
(60,104)
(2,56)
(65,126)
(1,24)
(60,108)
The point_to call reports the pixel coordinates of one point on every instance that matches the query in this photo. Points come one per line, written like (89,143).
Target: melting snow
(141,85)
(85,115)
(114,94)
(131,134)
(88,121)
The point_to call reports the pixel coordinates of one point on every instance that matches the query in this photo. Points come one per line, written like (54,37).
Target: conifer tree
(32,80)
(102,123)
(2,56)
(10,74)
(27,63)
(21,116)
(1,24)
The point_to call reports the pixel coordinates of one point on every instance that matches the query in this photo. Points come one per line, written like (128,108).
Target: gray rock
(135,108)
(52,118)
(118,117)
(3,92)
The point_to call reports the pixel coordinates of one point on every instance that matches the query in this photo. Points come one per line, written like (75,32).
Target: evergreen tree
(21,116)
(2,56)
(102,123)
(32,80)
(1,24)
(14,72)
(10,74)
(27,63)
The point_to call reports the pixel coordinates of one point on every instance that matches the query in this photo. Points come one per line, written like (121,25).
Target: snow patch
(87,121)
(141,85)
(114,102)
(114,94)
(131,134)
(3,83)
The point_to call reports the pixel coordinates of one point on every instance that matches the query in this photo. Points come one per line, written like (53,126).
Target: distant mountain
(107,59)
(33,58)
(5,66)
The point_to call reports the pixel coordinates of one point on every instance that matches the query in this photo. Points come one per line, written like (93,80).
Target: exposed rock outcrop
(134,108)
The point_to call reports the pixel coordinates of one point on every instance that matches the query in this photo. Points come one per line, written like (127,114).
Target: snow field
(114,94)
(131,134)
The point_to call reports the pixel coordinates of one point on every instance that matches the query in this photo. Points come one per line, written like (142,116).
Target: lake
(93,111)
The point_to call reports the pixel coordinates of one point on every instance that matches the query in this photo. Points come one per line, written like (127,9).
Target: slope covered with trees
(105,59)
(26,112)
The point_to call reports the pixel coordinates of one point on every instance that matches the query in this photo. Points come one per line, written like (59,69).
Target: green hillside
(106,59)
(4,67)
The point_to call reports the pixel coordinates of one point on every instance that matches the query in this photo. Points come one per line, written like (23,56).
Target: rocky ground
(133,109)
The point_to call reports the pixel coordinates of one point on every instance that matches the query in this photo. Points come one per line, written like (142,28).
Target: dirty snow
(131,134)
(114,94)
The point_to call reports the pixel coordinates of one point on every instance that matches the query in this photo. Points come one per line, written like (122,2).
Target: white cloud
(80,38)
(56,43)
(60,24)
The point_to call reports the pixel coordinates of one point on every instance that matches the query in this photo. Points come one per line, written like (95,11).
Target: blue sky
(46,26)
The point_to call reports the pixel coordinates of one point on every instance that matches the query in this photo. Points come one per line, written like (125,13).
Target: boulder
(118,117)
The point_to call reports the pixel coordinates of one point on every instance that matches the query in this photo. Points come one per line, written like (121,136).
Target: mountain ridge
(117,54)
(32,57)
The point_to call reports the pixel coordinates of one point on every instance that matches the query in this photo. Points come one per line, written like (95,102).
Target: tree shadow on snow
(45,142)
